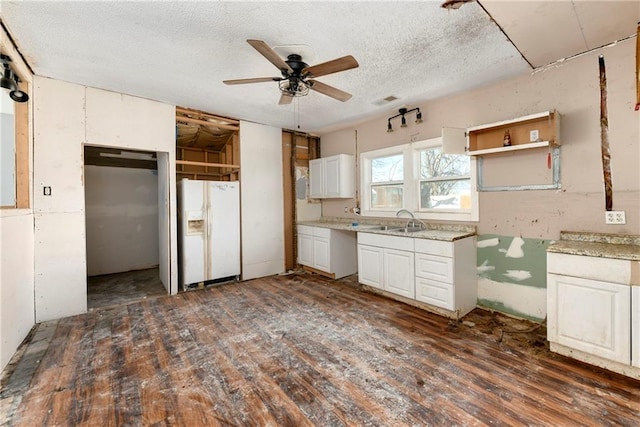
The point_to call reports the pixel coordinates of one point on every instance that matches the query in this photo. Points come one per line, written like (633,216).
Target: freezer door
(193,234)
(223,229)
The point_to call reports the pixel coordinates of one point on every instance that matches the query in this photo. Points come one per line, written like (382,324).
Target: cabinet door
(399,273)
(305,250)
(332,177)
(316,178)
(370,265)
(591,316)
(321,254)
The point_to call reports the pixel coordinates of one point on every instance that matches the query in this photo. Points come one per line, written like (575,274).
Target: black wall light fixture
(10,81)
(403,122)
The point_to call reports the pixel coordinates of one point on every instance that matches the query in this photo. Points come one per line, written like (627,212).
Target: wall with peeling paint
(536,217)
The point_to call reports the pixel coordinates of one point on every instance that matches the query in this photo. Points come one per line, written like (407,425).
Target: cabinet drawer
(434,267)
(382,241)
(434,293)
(589,267)
(305,229)
(434,247)
(321,232)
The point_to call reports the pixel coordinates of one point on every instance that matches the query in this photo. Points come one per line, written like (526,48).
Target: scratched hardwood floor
(301,350)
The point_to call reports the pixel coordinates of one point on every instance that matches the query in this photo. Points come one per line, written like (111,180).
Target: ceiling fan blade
(271,55)
(331,91)
(341,64)
(285,99)
(254,80)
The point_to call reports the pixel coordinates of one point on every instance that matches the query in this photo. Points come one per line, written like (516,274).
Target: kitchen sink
(409,229)
(388,228)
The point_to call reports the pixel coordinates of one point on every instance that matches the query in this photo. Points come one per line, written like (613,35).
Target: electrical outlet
(534,136)
(615,217)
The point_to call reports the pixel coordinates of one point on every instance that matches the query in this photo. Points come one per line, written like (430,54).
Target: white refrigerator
(209,234)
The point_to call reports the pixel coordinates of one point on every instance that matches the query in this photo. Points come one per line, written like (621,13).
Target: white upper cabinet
(332,177)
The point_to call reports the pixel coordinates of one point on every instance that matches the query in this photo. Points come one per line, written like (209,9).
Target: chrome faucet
(413,221)
(407,211)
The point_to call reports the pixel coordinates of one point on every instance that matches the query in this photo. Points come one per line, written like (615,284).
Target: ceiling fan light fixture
(293,89)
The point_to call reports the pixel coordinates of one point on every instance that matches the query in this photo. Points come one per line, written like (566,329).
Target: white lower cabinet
(590,315)
(446,274)
(439,273)
(328,251)
(386,262)
(593,311)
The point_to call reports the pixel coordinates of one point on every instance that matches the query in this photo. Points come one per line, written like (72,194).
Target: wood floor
(302,350)
(110,290)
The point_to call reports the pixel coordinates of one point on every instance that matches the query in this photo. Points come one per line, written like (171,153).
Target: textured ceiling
(546,31)
(179,52)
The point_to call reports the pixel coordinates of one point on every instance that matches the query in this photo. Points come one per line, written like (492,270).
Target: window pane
(387,169)
(386,196)
(435,164)
(445,194)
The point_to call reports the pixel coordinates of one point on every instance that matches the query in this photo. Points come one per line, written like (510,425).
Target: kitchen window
(421,178)
(387,182)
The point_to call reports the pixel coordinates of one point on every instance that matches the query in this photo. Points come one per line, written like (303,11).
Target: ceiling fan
(298,77)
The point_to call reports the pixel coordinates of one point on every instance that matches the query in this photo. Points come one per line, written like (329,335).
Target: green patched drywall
(512,259)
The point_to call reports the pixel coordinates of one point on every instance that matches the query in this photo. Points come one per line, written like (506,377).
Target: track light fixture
(403,121)
(10,81)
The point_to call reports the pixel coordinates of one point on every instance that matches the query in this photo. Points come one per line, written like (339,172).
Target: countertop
(447,233)
(616,246)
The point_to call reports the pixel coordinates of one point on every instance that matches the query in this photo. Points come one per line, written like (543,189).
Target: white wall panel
(16,282)
(60,265)
(59,132)
(261,200)
(66,117)
(118,120)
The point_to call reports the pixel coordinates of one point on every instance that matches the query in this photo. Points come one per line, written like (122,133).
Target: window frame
(22,129)
(470,214)
(411,184)
(366,177)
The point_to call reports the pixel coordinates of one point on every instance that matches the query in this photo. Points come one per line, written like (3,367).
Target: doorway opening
(122,226)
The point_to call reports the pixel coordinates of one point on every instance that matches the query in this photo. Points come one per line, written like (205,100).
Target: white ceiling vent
(386,100)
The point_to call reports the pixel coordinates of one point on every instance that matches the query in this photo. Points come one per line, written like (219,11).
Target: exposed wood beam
(211,165)
(206,123)
(226,120)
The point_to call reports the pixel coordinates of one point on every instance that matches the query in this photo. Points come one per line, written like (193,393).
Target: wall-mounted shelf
(540,130)
(532,131)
